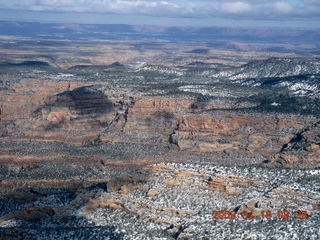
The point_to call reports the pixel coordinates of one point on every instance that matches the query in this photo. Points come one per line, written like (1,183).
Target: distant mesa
(199,64)
(200,51)
(79,67)
(28,64)
(272,68)
(116,64)
(35,64)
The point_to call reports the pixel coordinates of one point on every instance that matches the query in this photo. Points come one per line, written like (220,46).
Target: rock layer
(303,148)
(81,114)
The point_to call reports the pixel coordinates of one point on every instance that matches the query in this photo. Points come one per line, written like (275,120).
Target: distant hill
(122,31)
(272,68)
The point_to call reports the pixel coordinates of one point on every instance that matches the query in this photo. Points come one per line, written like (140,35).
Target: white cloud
(236,7)
(144,7)
(282,7)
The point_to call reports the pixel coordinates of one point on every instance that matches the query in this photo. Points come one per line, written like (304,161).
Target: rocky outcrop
(229,132)
(174,197)
(303,148)
(272,68)
(78,114)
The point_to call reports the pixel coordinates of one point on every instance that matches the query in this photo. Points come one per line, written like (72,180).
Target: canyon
(101,153)
(151,146)
(79,114)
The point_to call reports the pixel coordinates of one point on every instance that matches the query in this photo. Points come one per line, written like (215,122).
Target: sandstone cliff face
(80,114)
(251,133)
(22,99)
(304,147)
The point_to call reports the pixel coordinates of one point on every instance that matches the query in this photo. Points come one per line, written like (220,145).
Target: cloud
(232,9)
(236,7)
(257,9)
(144,7)
(283,7)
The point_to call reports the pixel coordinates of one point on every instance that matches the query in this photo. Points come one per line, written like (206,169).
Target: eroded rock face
(81,114)
(98,138)
(303,148)
(245,133)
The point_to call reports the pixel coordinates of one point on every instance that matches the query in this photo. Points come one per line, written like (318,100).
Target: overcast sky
(242,13)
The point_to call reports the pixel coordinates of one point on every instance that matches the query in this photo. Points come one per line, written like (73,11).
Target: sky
(236,13)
